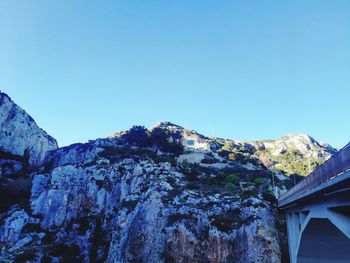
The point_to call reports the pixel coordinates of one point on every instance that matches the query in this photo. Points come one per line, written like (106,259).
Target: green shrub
(249,193)
(164,159)
(248,184)
(231,187)
(232,178)
(191,171)
(167,141)
(259,181)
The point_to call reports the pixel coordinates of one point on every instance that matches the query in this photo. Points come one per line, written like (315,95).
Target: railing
(334,166)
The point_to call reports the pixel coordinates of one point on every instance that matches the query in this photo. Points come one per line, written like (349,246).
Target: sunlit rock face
(21,138)
(305,144)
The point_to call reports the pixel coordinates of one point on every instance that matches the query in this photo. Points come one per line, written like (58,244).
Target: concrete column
(294,228)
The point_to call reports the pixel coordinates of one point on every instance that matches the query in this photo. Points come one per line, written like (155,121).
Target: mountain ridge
(163,194)
(301,150)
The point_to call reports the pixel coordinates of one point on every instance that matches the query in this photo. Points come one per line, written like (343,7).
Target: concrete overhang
(336,185)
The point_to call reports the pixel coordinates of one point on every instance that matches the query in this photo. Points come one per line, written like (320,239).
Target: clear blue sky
(238,69)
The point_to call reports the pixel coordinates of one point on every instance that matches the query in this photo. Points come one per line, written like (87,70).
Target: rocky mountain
(294,154)
(23,147)
(303,143)
(164,194)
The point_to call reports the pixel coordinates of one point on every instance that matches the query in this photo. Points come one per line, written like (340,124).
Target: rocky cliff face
(20,135)
(23,147)
(106,206)
(160,195)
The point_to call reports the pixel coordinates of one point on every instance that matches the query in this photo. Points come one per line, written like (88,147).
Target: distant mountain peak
(301,136)
(168,124)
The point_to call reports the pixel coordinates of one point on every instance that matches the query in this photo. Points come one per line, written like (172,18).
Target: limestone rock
(21,138)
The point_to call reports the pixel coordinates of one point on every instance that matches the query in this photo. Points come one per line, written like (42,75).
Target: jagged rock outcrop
(21,139)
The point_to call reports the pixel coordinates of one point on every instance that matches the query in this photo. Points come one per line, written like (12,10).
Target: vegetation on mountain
(163,139)
(293,161)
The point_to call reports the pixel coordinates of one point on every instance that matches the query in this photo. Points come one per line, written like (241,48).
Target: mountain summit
(297,154)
